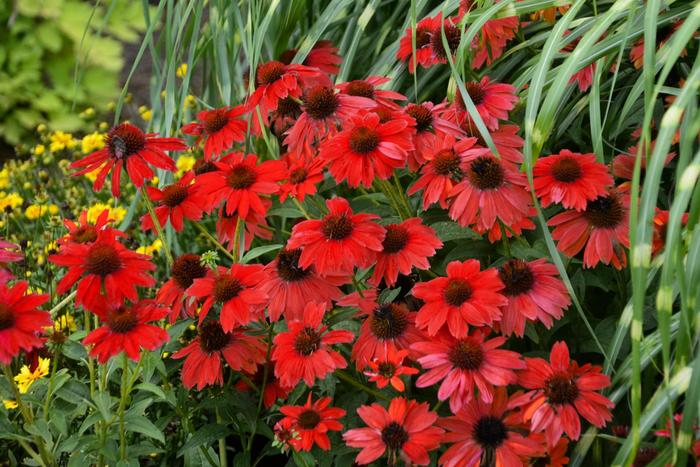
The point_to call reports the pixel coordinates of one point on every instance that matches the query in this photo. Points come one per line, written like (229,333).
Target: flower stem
(156,224)
(266,371)
(348,379)
(211,238)
(223,462)
(63,303)
(300,207)
(401,193)
(122,407)
(54,366)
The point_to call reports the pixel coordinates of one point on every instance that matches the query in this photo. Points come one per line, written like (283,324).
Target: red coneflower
(491,41)
(368,87)
(290,287)
(83,231)
(661,219)
(203,364)
(388,328)
(324,111)
(304,352)
(553,456)
(515,229)
(273,389)
(339,241)
(534,292)
(486,430)
(173,294)
(405,246)
(561,391)
(446,168)
(219,128)
(570,178)
(323,55)
(21,323)
(302,177)
(424,33)
(430,129)
(467,296)
(492,100)
(175,202)
(389,370)
(603,228)
(275,81)
(312,422)
(366,148)
(549,14)
(623,164)
(662,36)
(239,181)
(237,290)
(407,431)
(255,225)
(103,264)
(505,138)
(465,364)
(125,329)
(127,147)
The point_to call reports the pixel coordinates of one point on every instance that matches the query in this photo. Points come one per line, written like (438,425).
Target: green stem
(266,371)
(156,224)
(300,207)
(63,303)
(401,193)
(237,240)
(211,238)
(222,444)
(122,406)
(348,379)
(54,366)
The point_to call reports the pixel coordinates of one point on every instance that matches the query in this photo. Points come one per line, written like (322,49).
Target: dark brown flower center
(389,321)
(215,120)
(566,169)
(386,369)
(124,140)
(187,268)
(363,140)
(174,194)
(360,88)
(321,102)
(309,419)
(307,341)
(212,337)
(122,320)
(269,72)
(486,173)
(202,167)
(490,432)
(394,436)
(470,129)
(457,291)
(453,36)
(7,317)
(560,389)
(288,107)
(446,163)
(396,238)
(476,92)
(605,212)
(422,115)
(84,234)
(422,37)
(298,175)
(466,354)
(336,226)
(226,287)
(287,56)
(517,277)
(241,176)
(288,266)
(102,260)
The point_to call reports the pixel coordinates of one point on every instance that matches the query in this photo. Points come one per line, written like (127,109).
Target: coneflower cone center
(212,337)
(298,175)
(269,72)
(307,341)
(457,291)
(486,173)
(446,163)
(604,212)
(422,115)
(7,317)
(125,140)
(396,238)
(102,260)
(288,265)
(174,195)
(122,320)
(84,234)
(476,92)
(517,277)
(453,36)
(363,140)
(336,226)
(566,170)
(241,177)
(389,321)
(560,389)
(309,419)
(215,120)
(490,432)
(466,355)
(360,88)
(187,268)
(386,369)
(394,436)
(226,288)
(321,102)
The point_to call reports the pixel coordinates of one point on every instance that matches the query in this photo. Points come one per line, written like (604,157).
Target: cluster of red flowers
(450,333)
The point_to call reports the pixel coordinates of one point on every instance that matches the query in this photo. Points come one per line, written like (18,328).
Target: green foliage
(42,45)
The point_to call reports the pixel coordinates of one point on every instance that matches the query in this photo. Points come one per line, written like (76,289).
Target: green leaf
(205,436)
(259,251)
(141,424)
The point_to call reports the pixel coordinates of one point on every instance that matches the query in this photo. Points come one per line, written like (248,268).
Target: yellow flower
(88,113)
(26,377)
(9,405)
(64,323)
(181,70)
(116,213)
(183,164)
(60,140)
(41,128)
(92,176)
(10,200)
(39,149)
(156,246)
(146,113)
(53,209)
(93,142)
(104,126)
(190,101)
(35,211)
(4,178)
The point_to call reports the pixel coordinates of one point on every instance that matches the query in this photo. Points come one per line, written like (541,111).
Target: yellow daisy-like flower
(64,323)
(116,213)
(190,101)
(10,200)
(9,405)
(4,178)
(146,113)
(154,247)
(183,164)
(35,211)
(26,377)
(39,149)
(181,70)
(60,140)
(92,142)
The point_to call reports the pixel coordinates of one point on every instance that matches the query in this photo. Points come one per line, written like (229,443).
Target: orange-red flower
(406,431)
(493,102)
(430,129)
(304,352)
(173,294)
(177,201)
(369,87)
(389,370)
(219,128)
(21,322)
(83,231)
(129,148)
(275,81)
(302,177)
(312,422)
